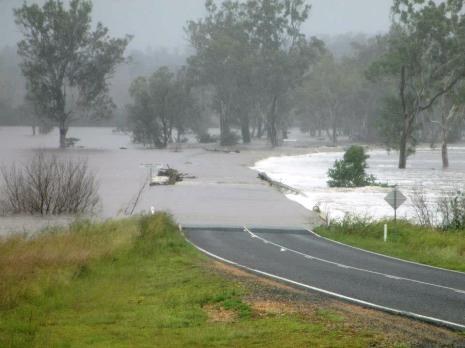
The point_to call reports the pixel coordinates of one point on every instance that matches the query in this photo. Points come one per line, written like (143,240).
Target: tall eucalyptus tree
(426,51)
(66,64)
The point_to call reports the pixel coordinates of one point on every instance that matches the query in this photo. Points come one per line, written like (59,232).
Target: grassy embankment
(410,242)
(137,283)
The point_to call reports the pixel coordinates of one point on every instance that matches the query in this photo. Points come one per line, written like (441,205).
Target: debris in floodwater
(168,176)
(223,151)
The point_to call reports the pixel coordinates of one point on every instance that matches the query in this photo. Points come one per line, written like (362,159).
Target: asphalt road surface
(310,261)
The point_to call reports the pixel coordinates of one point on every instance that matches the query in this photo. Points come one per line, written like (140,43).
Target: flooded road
(224,192)
(309,174)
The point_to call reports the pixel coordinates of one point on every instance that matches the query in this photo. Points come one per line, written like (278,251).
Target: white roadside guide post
(395,199)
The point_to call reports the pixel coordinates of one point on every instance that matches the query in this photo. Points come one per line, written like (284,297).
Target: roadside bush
(353,224)
(350,171)
(446,212)
(158,232)
(48,185)
(424,210)
(452,210)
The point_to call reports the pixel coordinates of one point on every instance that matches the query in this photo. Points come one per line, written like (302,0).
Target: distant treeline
(15,111)
(251,72)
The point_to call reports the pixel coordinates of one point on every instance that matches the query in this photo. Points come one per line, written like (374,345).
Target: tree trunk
(334,136)
(334,127)
(405,129)
(406,134)
(445,116)
(403,150)
(272,131)
(253,133)
(445,156)
(224,127)
(63,132)
(260,127)
(245,129)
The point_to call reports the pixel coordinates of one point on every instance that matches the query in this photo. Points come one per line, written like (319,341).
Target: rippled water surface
(309,174)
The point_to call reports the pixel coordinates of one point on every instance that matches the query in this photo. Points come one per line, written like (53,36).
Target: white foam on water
(308,173)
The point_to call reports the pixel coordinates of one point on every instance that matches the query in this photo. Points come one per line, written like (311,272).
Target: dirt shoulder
(271,297)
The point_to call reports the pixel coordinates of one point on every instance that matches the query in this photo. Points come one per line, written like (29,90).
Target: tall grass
(28,267)
(422,244)
(137,283)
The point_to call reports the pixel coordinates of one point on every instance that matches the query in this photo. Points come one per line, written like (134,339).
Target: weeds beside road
(427,245)
(138,283)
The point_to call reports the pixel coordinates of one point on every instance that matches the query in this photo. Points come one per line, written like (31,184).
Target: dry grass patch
(270,307)
(29,266)
(218,314)
(269,298)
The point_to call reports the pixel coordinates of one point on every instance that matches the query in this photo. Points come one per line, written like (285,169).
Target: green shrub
(350,171)
(452,209)
(158,232)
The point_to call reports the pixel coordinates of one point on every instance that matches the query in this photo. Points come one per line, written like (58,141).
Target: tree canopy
(67,64)
(426,51)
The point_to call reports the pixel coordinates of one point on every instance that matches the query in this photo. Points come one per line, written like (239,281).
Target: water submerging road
(223,192)
(308,173)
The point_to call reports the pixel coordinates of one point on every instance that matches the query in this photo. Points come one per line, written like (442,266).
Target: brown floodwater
(225,190)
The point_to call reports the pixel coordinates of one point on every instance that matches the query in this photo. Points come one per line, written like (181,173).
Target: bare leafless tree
(424,211)
(49,185)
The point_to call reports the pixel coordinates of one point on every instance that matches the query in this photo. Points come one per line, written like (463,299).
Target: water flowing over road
(308,173)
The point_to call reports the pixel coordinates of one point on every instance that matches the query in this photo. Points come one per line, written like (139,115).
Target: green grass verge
(406,241)
(137,283)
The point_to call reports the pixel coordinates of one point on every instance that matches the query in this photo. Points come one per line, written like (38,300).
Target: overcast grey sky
(160,22)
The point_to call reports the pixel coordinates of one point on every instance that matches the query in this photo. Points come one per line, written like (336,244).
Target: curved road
(310,261)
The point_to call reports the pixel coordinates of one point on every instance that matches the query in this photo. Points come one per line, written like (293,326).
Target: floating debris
(168,176)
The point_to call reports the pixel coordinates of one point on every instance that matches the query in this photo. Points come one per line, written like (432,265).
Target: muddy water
(225,191)
(119,170)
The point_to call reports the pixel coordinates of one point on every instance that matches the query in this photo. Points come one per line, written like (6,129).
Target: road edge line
(383,255)
(423,318)
(338,264)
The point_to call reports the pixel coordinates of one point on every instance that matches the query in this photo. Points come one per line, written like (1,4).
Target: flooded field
(308,173)
(224,191)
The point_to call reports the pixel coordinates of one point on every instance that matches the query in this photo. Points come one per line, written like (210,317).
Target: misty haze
(232,173)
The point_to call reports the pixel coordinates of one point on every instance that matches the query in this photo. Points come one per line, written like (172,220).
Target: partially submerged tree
(161,103)
(452,109)
(426,50)
(350,171)
(284,54)
(67,65)
(253,54)
(224,59)
(326,92)
(49,185)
